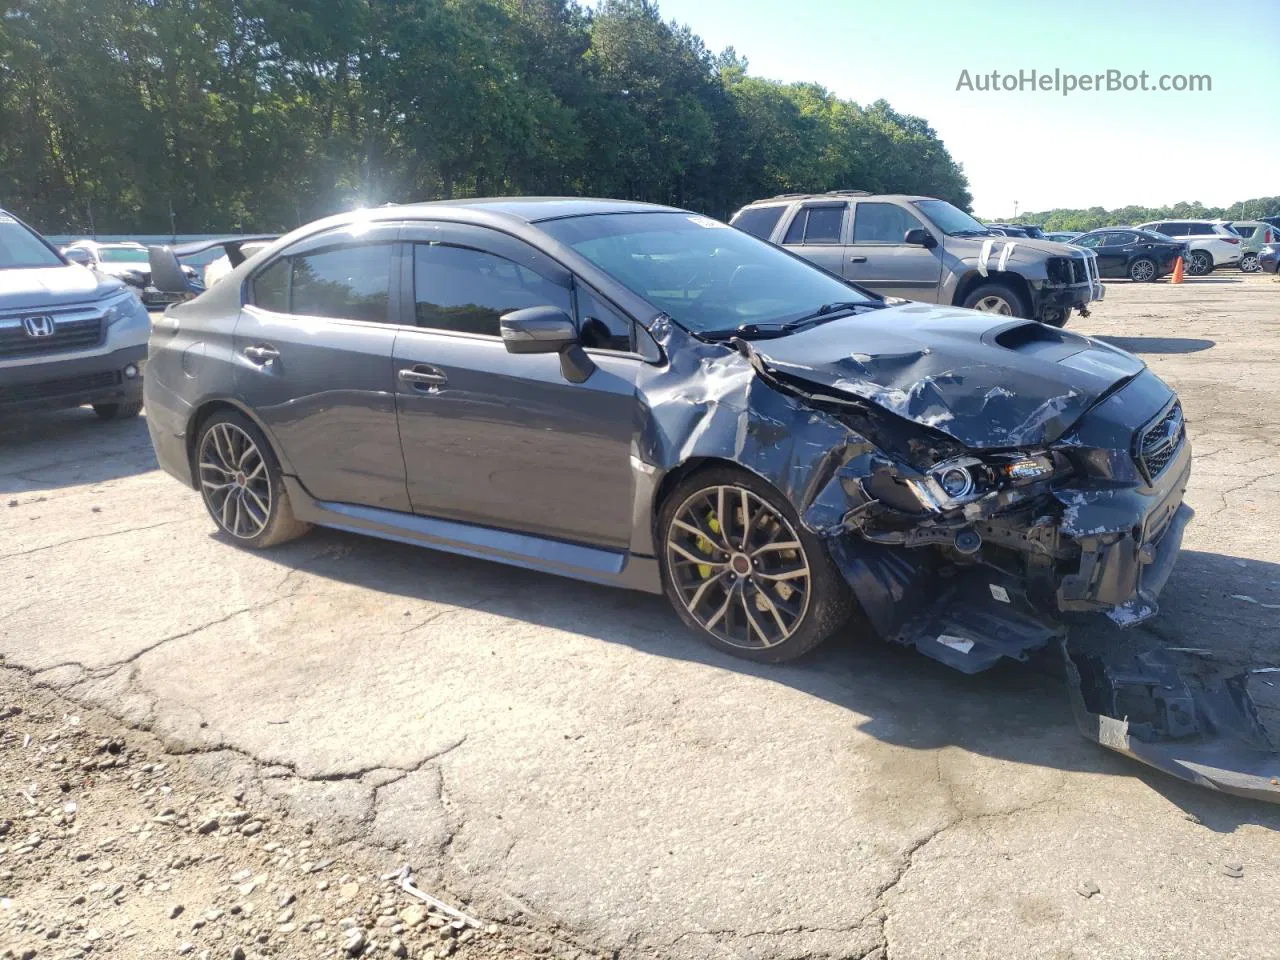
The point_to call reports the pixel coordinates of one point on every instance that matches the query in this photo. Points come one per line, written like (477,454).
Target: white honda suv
(1210,243)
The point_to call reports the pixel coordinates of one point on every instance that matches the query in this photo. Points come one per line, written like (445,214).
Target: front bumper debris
(1196,720)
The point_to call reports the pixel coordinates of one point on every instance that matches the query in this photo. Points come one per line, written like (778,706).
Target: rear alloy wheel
(1142,270)
(241,485)
(1199,263)
(739,569)
(1249,263)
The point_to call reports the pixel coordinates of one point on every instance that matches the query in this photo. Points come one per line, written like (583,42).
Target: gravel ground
(110,846)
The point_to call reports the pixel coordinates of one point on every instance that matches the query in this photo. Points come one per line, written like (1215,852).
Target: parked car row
(126,261)
(1206,245)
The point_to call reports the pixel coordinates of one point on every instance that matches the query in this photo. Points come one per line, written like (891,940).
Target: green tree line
(1094,217)
(213,115)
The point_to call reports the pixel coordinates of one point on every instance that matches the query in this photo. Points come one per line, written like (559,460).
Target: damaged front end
(980,520)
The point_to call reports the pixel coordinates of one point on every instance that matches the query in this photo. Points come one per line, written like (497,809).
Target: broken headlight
(953,483)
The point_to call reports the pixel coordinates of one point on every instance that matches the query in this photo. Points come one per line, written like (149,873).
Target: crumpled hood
(44,287)
(984,380)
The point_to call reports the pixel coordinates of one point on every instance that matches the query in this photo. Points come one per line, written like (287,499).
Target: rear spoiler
(230,245)
(167,275)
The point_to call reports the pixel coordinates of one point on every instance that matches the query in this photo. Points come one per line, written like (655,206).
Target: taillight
(1231,239)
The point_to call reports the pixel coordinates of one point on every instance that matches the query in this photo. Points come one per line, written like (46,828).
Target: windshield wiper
(828,311)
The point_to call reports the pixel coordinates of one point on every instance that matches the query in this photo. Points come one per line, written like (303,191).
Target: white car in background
(125,260)
(121,259)
(1210,243)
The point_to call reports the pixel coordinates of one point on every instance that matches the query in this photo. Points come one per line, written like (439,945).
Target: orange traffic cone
(1177,271)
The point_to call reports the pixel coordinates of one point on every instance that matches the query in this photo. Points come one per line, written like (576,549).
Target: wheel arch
(973,279)
(687,468)
(200,416)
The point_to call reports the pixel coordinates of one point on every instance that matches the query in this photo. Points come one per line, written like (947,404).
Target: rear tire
(742,571)
(998,298)
(1143,270)
(1249,263)
(1199,263)
(118,411)
(241,483)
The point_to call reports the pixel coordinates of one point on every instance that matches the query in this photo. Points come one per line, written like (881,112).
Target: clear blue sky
(1038,148)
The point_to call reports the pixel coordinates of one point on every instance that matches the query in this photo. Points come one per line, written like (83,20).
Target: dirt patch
(110,846)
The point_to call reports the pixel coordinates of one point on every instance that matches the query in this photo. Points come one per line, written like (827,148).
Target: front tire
(1249,263)
(743,572)
(1199,263)
(1143,270)
(118,411)
(241,483)
(997,298)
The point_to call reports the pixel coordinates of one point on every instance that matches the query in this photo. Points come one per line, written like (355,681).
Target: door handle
(261,355)
(423,375)
(857,259)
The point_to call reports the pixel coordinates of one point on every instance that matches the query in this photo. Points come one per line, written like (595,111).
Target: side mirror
(79,255)
(919,237)
(167,274)
(547,329)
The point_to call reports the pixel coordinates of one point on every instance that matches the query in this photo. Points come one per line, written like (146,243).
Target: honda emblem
(38,326)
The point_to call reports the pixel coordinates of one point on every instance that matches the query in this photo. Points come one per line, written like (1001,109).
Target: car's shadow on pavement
(1018,713)
(66,448)
(1159,344)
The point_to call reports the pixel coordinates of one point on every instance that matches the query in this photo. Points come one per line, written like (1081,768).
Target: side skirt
(593,564)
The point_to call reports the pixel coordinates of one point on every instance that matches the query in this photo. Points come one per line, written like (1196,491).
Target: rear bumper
(167,419)
(59,384)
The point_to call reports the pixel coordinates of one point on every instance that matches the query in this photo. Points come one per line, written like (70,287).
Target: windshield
(703,274)
(123,255)
(951,220)
(20,247)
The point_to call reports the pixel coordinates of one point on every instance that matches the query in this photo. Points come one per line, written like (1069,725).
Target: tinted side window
(759,221)
(824,224)
(1089,240)
(350,282)
(1244,231)
(881,223)
(1120,239)
(1202,230)
(795,232)
(458,288)
(599,324)
(1176,229)
(271,287)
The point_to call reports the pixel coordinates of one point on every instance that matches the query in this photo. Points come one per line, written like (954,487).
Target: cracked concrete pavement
(569,754)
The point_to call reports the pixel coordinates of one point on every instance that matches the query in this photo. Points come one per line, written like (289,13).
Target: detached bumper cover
(1211,730)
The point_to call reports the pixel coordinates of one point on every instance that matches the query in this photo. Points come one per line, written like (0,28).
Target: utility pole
(173,223)
(1015,210)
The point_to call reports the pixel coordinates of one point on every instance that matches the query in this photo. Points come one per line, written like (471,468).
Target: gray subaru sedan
(644,397)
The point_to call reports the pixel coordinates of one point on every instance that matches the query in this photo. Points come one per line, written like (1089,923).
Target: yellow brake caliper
(706,546)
